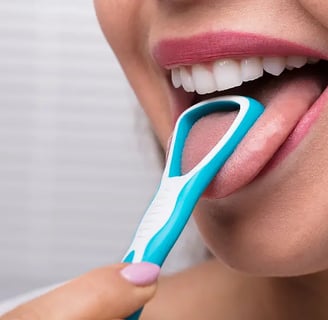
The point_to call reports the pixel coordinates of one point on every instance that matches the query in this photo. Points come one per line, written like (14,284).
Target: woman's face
(266,213)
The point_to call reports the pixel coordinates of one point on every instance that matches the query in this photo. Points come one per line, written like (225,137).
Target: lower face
(266,212)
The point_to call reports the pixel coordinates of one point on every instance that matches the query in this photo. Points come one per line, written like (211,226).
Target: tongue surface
(286,101)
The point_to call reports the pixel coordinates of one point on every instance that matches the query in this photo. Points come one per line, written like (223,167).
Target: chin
(270,237)
(259,256)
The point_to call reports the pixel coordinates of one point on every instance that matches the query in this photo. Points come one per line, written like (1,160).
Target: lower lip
(300,131)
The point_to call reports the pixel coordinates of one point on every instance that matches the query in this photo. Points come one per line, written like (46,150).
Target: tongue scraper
(178,193)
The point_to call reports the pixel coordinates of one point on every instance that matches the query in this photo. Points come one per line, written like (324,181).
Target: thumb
(107,293)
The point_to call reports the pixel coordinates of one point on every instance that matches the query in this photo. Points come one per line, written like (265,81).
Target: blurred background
(78,164)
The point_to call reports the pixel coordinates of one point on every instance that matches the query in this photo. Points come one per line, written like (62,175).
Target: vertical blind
(74,150)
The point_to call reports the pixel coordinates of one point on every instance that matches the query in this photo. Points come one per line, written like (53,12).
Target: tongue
(286,101)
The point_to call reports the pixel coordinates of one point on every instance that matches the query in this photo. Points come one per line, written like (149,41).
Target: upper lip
(226,44)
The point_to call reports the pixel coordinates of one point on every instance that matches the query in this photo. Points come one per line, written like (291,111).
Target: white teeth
(296,62)
(312,60)
(224,74)
(274,65)
(251,69)
(203,79)
(176,78)
(186,79)
(227,74)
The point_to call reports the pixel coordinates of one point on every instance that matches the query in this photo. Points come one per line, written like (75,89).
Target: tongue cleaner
(178,193)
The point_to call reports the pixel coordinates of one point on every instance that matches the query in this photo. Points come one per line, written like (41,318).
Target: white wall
(77,167)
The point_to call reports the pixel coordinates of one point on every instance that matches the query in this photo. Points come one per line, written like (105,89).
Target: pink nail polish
(141,274)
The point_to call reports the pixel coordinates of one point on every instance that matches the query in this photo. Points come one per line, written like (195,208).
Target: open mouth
(291,86)
(288,90)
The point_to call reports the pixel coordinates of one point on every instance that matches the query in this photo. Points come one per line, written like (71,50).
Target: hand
(113,292)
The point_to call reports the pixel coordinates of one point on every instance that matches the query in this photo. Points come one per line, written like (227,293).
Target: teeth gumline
(223,74)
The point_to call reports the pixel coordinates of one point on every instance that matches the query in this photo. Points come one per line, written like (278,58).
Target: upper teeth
(224,74)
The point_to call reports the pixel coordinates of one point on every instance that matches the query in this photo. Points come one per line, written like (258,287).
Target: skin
(269,240)
(290,238)
(277,225)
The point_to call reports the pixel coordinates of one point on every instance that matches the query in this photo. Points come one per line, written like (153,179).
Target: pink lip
(212,46)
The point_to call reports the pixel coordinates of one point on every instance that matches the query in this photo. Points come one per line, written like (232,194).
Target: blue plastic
(192,185)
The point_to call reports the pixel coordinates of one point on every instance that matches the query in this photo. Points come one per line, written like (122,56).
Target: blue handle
(158,246)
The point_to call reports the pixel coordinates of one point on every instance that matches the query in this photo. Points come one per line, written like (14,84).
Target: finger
(106,293)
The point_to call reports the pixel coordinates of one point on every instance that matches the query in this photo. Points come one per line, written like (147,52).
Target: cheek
(318,9)
(111,15)
(126,24)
